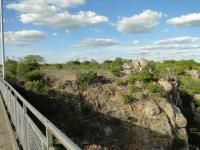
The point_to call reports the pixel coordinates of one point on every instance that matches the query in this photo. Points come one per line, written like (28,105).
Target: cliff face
(153,123)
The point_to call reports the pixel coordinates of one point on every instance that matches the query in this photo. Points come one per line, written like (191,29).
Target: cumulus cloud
(135,42)
(141,23)
(54,13)
(178,40)
(92,42)
(24,37)
(176,43)
(190,20)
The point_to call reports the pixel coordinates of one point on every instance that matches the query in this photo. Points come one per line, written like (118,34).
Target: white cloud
(97,30)
(92,42)
(135,42)
(170,47)
(24,37)
(190,20)
(53,13)
(178,40)
(55,34)
(176,43)
(141,23)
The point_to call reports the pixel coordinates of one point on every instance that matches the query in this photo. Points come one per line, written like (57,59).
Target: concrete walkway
(7,139)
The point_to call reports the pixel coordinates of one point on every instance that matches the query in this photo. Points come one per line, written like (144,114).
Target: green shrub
(36,87)
(189,85)
(174,67)
(106,64)
(128,98)
(197,101)
(116,71)
(133,88)
(155,88)
(85,79)
(33,75)
(27,64)
(116,66)
(122,82)
(59,66)
(11,71)
(143,76)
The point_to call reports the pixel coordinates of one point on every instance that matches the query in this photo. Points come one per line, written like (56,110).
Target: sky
(63,30)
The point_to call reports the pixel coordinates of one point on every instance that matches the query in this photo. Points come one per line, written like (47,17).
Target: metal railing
(27,132)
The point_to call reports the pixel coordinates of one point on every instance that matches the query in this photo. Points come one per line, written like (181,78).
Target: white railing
(28,134)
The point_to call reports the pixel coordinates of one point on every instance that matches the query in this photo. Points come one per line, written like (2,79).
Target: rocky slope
(153,122)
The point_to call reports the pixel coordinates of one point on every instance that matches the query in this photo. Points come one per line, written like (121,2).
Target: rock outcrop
(165,84)
(194,74)
(136,65)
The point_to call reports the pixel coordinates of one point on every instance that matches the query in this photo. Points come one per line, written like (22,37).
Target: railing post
(49,139)
(25,138)
(15,110)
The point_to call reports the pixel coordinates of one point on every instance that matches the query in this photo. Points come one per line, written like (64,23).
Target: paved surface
(5,137)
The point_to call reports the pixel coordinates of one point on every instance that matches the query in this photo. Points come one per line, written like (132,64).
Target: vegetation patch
(155,88)
(128,98)
(85,79)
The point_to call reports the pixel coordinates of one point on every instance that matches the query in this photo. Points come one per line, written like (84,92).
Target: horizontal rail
(24,127)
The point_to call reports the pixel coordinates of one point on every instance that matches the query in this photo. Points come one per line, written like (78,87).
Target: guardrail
(27,132)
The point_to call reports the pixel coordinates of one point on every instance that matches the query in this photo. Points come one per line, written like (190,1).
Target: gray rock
(151,109)
(169,110)
(181,122)
(108,131)
(165,84)
(194,74)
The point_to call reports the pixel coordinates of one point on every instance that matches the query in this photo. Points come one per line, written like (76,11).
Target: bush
(128,98)
(155,89)
(122,82)
(11,71)
(197,101)
(33,75)
(116,71)
(116,66)
(189,85)
(133,88)
(59,66)
(27,64)
(143,76)
(36,87)
(85,79)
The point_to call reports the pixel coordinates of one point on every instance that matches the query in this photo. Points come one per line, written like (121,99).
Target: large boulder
(181,122)
(151,109)
(127,69)
(194,74)
(144,64)
(140,64)
(165,84)
(169,110)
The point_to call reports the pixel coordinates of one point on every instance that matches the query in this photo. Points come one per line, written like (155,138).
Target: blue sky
(62,30)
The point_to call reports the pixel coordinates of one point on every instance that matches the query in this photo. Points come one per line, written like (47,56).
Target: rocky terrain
(134,110)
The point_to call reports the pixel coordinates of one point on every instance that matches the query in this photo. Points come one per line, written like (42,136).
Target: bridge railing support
(27,132)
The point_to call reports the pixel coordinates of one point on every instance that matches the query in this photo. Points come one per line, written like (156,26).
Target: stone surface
(181,122)
(194,74)
(108,131)
(168,109)
(151,109)
(165,84)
